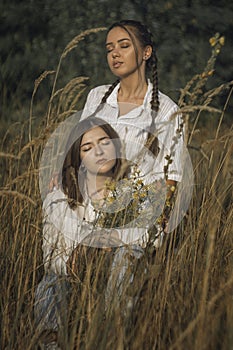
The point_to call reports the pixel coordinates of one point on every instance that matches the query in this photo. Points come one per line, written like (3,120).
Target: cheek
(82,158)
(108,59)
(112,153)
(134,57)
(85,160)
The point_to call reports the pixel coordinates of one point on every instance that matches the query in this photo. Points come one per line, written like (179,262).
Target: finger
(55,181)
(53,184)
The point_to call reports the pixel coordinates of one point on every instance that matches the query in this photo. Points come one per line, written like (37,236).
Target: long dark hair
(136,29)
(73,176)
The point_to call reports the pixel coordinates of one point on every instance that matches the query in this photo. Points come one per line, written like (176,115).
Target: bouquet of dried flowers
(132,203)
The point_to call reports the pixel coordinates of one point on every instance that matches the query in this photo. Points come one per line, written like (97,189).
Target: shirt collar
(112,99)
(148,94)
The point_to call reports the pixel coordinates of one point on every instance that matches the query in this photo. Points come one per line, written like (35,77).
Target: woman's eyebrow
(123,39)
(104,138)
(85,144)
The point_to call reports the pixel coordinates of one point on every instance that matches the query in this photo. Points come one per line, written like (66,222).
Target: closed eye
(109,48)
(102,141)
(86,149)
(105,142)
(124,46)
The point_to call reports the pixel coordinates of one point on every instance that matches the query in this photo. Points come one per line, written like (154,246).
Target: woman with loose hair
(93,160)
(74,163)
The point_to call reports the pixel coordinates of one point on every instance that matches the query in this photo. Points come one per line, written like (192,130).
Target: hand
(54,184)
(102,238)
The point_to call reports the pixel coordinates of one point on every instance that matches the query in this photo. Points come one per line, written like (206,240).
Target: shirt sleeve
(133,235)
(171,143)
(93,100)
(54,249)
(89,106)
(177,148)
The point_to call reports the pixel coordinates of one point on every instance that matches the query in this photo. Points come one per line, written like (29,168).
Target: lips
(101,161)
(117,64)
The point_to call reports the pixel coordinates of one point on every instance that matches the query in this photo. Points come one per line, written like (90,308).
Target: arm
(54,249)
(171,129)
(55,252)
(88,107)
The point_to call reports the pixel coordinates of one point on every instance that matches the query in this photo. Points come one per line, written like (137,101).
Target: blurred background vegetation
(34,34)
(186,298)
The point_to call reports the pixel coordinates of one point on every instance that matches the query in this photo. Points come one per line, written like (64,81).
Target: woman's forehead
(94,133)
(117,33)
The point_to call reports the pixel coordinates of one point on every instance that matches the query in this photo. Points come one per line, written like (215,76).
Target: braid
(155,91)
(104,98)
(152,140)
(110,90)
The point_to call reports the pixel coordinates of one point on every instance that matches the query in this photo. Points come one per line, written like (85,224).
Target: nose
(98,150)
(115,53)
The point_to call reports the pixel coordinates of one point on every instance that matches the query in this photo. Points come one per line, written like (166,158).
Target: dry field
(186,297)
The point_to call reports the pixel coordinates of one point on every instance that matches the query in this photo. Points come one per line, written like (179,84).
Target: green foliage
(33,35)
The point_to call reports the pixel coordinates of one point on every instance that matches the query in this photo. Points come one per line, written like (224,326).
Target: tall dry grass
(186,296)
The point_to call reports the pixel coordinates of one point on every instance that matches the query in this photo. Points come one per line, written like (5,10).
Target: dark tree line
(34,33)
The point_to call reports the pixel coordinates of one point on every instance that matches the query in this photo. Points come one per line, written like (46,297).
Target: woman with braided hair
(133,104)
(140,113)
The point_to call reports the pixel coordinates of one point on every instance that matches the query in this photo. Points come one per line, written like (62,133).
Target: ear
(147,52)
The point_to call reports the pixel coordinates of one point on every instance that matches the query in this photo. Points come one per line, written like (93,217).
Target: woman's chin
(107,173)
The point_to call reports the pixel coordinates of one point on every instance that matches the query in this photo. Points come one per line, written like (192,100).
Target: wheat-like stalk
(70,46)
(18,195)
(76,40)
(70,91)
(183,292)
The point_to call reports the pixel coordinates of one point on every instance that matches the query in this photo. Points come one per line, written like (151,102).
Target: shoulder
(57,212)
(93,100)
(55,198)
(165,100)
(166,106)
(99,91)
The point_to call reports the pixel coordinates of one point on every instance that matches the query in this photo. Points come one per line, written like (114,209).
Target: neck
(133,87)
(96,185)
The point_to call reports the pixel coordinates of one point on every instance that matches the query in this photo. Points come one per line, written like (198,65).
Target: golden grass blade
(8,155)
(17,194)
(74,42)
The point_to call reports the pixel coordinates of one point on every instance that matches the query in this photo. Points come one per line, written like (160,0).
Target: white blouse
(65,228)
(133,127)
